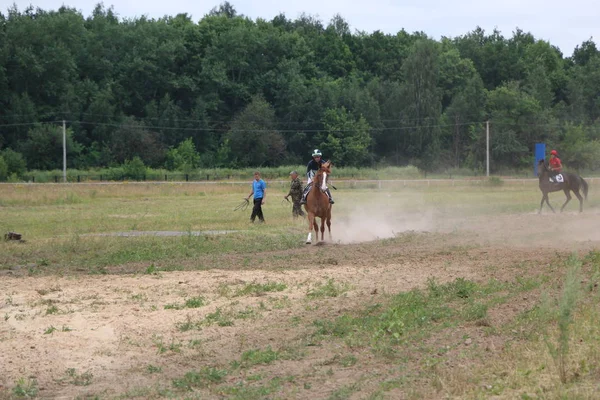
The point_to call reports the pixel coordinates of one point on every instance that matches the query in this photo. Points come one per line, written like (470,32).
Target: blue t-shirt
(259,188)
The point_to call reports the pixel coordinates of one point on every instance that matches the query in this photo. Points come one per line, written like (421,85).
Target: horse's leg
(548,202)
(545,198)
(580,199)
(311,221)
(568,194)
(323,229)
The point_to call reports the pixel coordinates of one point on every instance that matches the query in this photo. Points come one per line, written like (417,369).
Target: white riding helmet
(317,152)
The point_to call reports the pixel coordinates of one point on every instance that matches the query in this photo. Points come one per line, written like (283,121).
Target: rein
(243,205)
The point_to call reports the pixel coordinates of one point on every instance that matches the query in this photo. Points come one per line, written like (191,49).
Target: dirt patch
(135,334)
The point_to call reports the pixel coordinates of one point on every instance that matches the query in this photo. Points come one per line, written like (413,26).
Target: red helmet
(554,152)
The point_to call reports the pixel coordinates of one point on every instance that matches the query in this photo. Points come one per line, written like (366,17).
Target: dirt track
(112,330)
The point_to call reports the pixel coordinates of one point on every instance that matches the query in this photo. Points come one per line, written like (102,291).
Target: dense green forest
(229,91)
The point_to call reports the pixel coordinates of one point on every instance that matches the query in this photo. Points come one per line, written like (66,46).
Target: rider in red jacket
(555,164)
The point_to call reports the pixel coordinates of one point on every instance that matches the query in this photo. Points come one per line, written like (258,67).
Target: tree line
(229,91)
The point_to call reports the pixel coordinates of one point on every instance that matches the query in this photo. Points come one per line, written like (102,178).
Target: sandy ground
(110,331)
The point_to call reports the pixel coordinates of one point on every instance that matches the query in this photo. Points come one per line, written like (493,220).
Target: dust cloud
(382,223)
(381,219)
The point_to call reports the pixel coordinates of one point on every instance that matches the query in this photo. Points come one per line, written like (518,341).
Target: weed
(52,310)
(330,289)
(200,379)
(476,311)
(340,327)
(79,379)
(195,302)
(527,283)
(566,308)
(218,317)
(175,347)
(280,303)
(139,297)
(254,357)
(151,270)
(188,325)
(25,388)
(258,289)
(153,369)
(343,393)
(224,290)
(348,361)
(49,330)
(241,391)
(43,292)
(247,313)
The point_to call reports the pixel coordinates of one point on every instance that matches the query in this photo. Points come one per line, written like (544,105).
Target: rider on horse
(311,169)
(555,164)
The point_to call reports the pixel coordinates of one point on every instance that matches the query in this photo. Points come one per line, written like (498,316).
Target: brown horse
(570,182)
(317,204)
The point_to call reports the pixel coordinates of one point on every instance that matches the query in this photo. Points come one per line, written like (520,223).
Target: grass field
(425,292)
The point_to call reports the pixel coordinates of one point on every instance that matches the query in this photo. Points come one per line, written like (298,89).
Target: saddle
(558,178)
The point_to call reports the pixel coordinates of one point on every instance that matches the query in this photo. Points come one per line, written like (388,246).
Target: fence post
(78,178)
(56,179)
(187,177)
(33,179)
(100,177)
(207,177)
(166,177)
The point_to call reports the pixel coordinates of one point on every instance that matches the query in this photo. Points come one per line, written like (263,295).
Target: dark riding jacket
(313,167)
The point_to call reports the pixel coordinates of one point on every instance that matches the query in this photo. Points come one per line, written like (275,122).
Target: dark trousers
(297,208)
(257,211)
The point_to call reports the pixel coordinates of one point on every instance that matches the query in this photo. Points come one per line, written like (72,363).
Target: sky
(565,24)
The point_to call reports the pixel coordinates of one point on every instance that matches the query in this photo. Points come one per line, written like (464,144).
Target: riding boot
(329,195)
(305,193)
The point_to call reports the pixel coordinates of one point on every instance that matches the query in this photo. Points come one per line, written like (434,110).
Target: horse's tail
(585,187)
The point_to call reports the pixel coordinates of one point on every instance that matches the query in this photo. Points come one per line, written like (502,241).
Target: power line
(217,121)
(117,125)
(299,130)
(28,123)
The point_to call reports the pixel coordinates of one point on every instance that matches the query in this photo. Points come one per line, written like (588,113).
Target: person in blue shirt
(311,170)
(259,189)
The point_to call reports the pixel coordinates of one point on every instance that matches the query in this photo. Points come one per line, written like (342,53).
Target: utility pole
(64,152)
(487,147)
